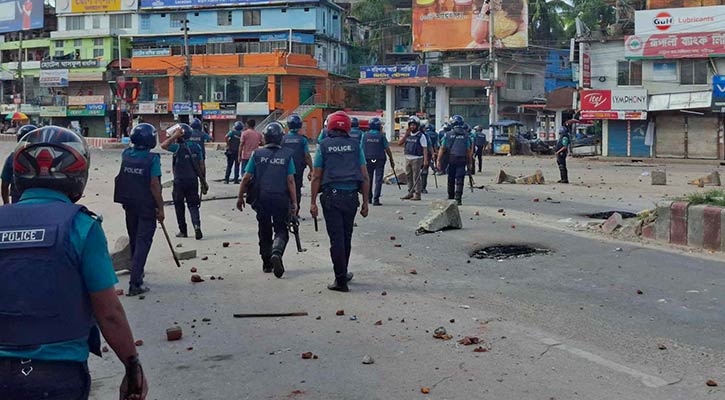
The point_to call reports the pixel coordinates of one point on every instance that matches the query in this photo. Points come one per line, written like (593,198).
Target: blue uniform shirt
(319,162)
(155,165)
(385,139)
(294,132)
(7,173)
(89,242)
(193,147)
(251,168)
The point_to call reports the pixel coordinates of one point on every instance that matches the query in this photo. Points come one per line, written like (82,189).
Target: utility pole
(21,80)
(187,69)
(492,68)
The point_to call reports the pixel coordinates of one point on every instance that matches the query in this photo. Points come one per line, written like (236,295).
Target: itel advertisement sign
(679,20)
(614,100)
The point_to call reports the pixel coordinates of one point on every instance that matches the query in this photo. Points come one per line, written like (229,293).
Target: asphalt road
(567,325)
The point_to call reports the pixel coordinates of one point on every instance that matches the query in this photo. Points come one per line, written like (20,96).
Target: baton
(470,182)
(396,177)
(316,228)
(171,247)
(435,176)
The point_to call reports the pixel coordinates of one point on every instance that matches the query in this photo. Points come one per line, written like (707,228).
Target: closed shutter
(617,143)
(637,133)
(670,136)
(702,133)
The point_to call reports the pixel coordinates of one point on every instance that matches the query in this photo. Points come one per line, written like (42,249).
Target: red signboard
(620,115)
(586,71)
(596,100)
(679,45)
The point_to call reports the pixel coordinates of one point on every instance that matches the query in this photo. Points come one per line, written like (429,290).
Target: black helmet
(273,133)
(25,129)
(196,124)
(294,122)
(52,158)
(457,120)
(375,123)
(354,122)
(430,128)
(143,137)
(187,131)
(238,126)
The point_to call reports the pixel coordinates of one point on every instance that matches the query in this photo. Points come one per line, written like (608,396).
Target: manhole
(504,252)
(608,214)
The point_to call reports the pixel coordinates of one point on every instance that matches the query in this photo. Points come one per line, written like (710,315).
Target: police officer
(138,189)
(562,151)
(355,131)
(457,148)
(233,139)
(199,135)
(56,278)
(8,190)
(376,146)
(323,132)
(432,148)
(416,157)
(188,167)
(442,162)
(340,173)
(274,197)
(480,141)
(300,149)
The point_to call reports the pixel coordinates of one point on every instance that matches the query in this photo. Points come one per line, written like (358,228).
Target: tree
(546,23)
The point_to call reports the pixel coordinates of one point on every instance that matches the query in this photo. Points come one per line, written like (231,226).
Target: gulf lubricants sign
(679,20)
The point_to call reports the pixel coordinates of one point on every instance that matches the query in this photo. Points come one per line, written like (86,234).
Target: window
(629,73)
(252,18)
(96,22)
(693,72)
(78,43)
(98,42)
(177,20)
(145,21)
(59,53)
(59,44)
(120,21)
(511,81)
(467,72)
(97,53)
(224,18)
(278,94)
(76,23)
(527,81)
(404,94)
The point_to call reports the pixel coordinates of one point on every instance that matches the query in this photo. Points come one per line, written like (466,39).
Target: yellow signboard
(81,6)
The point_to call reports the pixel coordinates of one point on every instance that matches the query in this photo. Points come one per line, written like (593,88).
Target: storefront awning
(680,101)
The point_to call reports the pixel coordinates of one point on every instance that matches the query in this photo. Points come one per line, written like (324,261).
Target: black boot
(338,287)
(197,233)
(564,174)
(266,265)
(459,194)
(451,192)
(276,259)
(424,183)
(182,233)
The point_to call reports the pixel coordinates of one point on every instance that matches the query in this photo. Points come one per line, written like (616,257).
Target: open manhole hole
(508,251)
(608,214)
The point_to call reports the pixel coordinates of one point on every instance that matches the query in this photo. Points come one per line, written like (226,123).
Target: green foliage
(715,197)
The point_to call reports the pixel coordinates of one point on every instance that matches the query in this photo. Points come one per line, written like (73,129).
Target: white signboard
(679,20)
(629,99)
(259,108)
(53,78)
(146,108)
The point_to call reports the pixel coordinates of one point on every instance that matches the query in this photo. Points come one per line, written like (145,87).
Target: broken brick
(307,355)
(204,258)
(398,245)
(413,271)
(480,349)
(173,333)
(196,278)
(378,323)
(193,269)
(469,340)
(425,390)
(225,244)
(711,383)
(104,349)
(392,238)
(340,312)
(119,292)
(138,343)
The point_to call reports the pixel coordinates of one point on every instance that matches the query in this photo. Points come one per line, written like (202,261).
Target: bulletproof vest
(234,141)
(374,146)
(560,143)
(43,297)
(133,183)
(342,160)
(296,144)
(480,139)
(197,137)
(413,146)
(355,133)
(271,165)
(433,138)
(457,141)
(183,169)
(14,194)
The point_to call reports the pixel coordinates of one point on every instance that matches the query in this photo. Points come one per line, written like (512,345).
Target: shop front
(623,114)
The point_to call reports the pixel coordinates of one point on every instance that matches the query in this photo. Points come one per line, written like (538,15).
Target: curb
(683,224)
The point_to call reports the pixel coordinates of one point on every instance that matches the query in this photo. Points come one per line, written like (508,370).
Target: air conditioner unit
(218,96)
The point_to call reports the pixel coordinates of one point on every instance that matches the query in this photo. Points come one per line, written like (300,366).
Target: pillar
(389,111)
(605,138)
(442,106)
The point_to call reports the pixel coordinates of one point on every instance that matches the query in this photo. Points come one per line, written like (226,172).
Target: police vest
(323,134)
(271,165)
(433,137)
(197,137)
(355,133)
(43,297)
(560,144)
(14,193)
(480,139)
(296,145)
(374,146)
(457,143)
(341,156)
(183,159)
(234,141)
(133,183)
(413,146)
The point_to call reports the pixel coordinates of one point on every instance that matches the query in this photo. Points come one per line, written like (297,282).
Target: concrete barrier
(662,223)
(683,224)
(678,223)
(695,222)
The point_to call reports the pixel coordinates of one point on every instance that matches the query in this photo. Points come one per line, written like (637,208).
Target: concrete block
(649,231)
(390,178)
(444,214)
(121,254)
(695,226)
(710,180)
(678,223)
(659,178)
(663,221)
(536,179)
(614,222)
(185,254)
(712,229)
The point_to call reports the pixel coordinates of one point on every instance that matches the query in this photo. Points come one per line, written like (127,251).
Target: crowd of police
(57,281)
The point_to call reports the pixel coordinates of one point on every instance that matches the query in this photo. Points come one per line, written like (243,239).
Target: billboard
(54,78)
(92,6)
(464,24)
(679,20)
(718,93)
(678,45)
(393,71)
(211,3)
(20,15)
(614,100)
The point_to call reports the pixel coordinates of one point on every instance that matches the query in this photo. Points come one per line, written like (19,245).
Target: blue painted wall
(558,70)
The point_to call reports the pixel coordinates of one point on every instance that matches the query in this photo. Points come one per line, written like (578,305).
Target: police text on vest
(23,236)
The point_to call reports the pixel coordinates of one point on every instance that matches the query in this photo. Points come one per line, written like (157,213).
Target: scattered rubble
(173,333)
(340,312)
(536,179)
(709,180)
(138,343)
(444,214)
(425,390)
(659,178)
(185,255)
(469,340)
(711,383)
(225,244)
(367,360)
(193,269)
(309,356)
(442,334)
(196,278)
(413,271)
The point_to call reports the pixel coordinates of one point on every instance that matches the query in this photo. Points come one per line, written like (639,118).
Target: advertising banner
(20,15)
(83,100)
(53,111)
(54,78)
(184,108)
(82,6)
(151,52)
(680,45)
(306,38)
(614,100)
(718,93)
(393,71)
(464,24)
(257,108)
(679,20)
(586,65)
(211,3)
(87,110)
(69,64)
(8,108)
(619,115)
(146,108)
(219,111)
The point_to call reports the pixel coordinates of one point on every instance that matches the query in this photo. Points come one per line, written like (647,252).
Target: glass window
(78,43)
(527,81)
(177,20)
(224,18)
(252,18)
(511,80)
(693,72)
(75,23)
(59,53)
(629,73)
(278,92)
(97,53)
(98,42)
(59,44)
(145,21)
(96,22)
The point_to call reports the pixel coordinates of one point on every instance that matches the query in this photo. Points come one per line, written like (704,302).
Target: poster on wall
(20,15)
(440,25)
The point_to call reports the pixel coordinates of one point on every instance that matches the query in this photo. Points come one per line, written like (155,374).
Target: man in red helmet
(340,174)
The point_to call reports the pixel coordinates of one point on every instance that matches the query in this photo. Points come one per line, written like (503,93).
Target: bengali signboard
(464,25)
(718,93)
(618,115)
(53,111)
(87,110)
(256,108)
(185,108)
(614,100)
(679,20)
(69,64)
(162,52)
(680,45)
(211,3)
(83,6)
(53,78)
(586,65)
(8,108)
(393,71)
(20,15)
(219,110)
(152,107)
